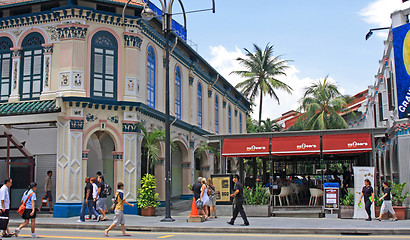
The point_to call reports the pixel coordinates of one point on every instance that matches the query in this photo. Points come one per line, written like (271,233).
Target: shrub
(348,199)
(147,195)
(397,193)
(256,196)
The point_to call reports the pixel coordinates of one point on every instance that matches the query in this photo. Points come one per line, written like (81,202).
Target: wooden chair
(314,195)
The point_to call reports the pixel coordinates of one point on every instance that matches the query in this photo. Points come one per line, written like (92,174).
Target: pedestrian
(238,202)
(368,194)
(204,197)
(5,204)
(212,198)
(102,198)
(88,201)
(29,197)
(119,210)
(48,186)
(93,182)
(196,188)
(387,205)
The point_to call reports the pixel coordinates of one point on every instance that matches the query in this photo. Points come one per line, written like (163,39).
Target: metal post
(167,218)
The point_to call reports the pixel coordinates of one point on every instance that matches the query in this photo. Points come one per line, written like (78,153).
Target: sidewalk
(272,225)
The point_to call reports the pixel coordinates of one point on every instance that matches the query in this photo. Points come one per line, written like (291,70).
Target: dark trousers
(367,207)
(239,209)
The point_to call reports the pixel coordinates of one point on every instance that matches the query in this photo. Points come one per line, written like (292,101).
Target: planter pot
(149,212)
(346,212)
(400,212)
(257,210)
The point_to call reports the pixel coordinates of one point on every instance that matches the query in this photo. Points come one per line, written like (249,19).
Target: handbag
(22,207)
(114,204)
(4,221)
(199,204)
(44,201)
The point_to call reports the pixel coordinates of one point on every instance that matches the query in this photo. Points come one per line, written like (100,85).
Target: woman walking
(29,198)
(387,205)
(212,198)
(204,197)
(118,210)
(368,194)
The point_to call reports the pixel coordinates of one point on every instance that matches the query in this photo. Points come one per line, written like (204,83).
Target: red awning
(296,145)
(245,147)
(347,143)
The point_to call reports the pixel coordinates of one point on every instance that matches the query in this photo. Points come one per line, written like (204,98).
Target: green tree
(151,144)
(269,126)
(322,104)
(251,125)
(262,70)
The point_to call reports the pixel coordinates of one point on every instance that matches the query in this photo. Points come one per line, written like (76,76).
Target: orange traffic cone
(194,212)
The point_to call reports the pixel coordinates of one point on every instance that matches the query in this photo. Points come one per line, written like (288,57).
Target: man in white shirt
(5,203)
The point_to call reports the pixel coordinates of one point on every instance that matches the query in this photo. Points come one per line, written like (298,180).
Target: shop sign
(331,195)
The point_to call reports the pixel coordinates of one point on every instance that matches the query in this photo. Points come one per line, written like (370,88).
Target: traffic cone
(194,212)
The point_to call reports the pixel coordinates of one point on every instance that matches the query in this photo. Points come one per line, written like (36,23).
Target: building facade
(77,79)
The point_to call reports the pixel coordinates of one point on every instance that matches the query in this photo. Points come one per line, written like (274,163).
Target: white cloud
(224,61)
(378,13)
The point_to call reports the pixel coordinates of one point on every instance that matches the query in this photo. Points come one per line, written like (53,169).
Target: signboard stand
(331,199)
(223,187)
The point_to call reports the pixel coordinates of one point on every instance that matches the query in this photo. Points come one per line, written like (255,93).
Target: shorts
(118,217)
(387,207)
(100,204)
(26,215)
(212,201)
(6,213)
(49,196)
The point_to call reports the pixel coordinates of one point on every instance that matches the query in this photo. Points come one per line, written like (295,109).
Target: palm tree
(151,144)
(262,70)
(323,104)
(269,126)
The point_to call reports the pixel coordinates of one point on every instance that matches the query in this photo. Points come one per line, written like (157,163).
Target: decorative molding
(132,40)
(47,71)
(48,49)
(209,93)
(131,86)
(72,31)
(224,104)
(16,63)
(16,53)
(130,128)
(64,79)
(91,117)
(191,144)
(117,157)
(113,119)
(191,80)
(129,116)
(76,124)
(186,165)
(52,33)
(78,81)
(77,112)
(236,112)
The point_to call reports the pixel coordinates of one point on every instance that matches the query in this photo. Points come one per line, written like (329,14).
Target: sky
(321,37)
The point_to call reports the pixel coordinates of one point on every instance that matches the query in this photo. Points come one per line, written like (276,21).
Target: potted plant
(398,199)
(256,201)
(147,198)
(347,205)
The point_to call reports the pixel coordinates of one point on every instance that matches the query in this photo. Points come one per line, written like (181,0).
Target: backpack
(107,190)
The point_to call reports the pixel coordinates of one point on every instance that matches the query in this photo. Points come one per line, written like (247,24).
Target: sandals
(394,219)
(106,233)
(7,235)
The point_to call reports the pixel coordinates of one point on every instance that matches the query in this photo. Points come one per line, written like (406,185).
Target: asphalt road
(46,233)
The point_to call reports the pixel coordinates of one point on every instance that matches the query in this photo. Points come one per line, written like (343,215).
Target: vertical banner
(401,45)
(360,174)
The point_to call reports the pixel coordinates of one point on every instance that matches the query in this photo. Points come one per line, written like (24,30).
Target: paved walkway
(272,225)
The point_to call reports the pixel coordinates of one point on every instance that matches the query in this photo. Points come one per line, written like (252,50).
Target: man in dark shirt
(88,201)
(197,192)
(238,194)
(100,205)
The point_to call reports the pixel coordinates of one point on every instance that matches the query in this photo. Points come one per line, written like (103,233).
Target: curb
(238,229)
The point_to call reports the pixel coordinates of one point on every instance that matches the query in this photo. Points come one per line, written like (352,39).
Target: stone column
(160,177)
(117,157)
(15,75)
(132,149)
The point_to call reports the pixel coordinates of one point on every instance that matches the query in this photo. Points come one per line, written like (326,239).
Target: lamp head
(147,14)
(369,34)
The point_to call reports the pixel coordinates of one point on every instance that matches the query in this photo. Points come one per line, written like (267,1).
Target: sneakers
(230,223)
(34,235)
(99,218)
(16,232)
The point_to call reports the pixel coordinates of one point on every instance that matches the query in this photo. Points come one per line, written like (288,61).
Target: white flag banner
(360,174)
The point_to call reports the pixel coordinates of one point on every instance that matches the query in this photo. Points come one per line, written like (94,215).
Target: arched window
(178,93)
(5,68)
(31,83)
(151,77)
(240,122)
(216,114)
(229,119)
(199,105)
(104,50)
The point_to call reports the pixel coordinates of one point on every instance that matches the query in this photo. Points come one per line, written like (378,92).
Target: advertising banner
(360,174)
(401,45)
(245,147)
(295,145)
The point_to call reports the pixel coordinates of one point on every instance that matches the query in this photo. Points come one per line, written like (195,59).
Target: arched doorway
(100,157)
(199,160)
(176,171)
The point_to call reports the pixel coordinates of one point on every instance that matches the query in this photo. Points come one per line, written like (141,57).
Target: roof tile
(33,107)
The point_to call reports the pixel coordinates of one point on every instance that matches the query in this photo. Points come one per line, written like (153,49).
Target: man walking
(48,187)
(238,194)
(5,204)
(197,193)
(88,201)
(100,205)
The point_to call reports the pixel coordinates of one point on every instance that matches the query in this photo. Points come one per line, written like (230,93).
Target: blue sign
(176,27)
(401,46)
(331,185)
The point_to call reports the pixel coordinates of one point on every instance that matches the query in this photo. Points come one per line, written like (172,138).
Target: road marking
(87,238)
(166,236)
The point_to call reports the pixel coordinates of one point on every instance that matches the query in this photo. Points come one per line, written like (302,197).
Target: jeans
(91,209)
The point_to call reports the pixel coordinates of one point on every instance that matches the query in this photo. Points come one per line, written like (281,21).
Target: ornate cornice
(72,31)
(132,40)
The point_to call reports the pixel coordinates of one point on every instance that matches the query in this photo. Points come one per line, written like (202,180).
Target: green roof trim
(32,107)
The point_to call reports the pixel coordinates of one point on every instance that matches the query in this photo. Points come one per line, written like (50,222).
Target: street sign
(331,195)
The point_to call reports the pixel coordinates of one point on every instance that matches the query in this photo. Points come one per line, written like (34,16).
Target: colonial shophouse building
(76,80)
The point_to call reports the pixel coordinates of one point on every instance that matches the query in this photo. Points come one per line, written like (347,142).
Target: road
(47,233)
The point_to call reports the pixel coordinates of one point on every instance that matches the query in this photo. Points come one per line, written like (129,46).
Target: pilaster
(15,75)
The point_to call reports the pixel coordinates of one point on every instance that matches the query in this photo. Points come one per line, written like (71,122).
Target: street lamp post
(147,14)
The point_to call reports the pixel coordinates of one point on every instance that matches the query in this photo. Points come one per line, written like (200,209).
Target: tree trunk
(260,107)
